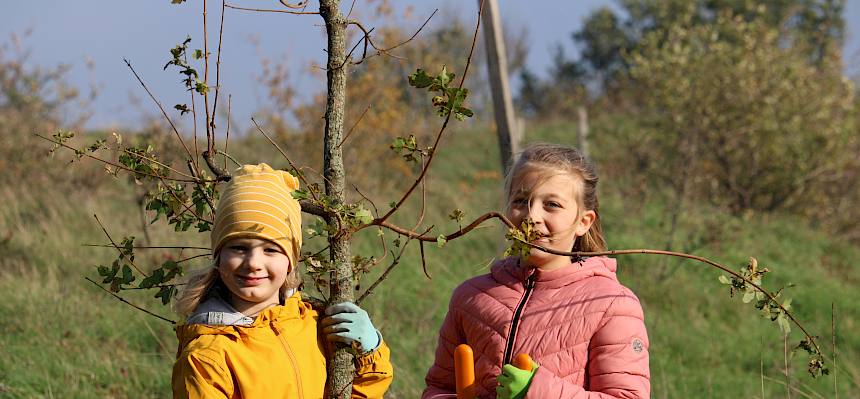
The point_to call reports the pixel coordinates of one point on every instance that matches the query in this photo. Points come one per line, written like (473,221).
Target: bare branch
(353,126)
(298,6)
(106,162)
(386,51)
(227,138)
(423,237)
(444,125)
(217,73)
(686,256)
(129,303)
(284,154)
(117,246)
(278,11)
(163,112)
(394,262)
(149,247)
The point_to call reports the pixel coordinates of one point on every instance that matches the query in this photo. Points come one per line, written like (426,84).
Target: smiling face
(253,270)
(550,201)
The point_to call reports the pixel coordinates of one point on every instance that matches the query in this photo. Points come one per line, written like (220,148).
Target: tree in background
(752,119)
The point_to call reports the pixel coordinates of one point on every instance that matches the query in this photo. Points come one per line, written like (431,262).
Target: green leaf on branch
(201,87)
(182,108)
(363,216)
(420,79)
(446,99)
(441,240)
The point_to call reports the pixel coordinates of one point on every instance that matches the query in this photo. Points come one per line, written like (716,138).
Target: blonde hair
(558,158)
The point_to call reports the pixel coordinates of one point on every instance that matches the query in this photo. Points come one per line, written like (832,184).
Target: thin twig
(423,198)
(218,71)
(227,137)
(809,336)
(160,107)
(385,51)
(388,270)
(424,261)
(351,7)
(444,124)
(267,10)
(449,237)
(210,134)
(130,262)
(194,122)
(284,154)
(187,208)
(129,303)
(226,157)
(349,132)
(300,5)
(106,162)
(148,247)
(155,161)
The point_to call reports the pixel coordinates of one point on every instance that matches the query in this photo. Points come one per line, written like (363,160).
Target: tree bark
(340,365)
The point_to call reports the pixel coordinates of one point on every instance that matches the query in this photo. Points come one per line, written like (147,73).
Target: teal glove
(513,382)
(350,324)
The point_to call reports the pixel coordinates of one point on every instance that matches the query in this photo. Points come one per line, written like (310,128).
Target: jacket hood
(511,272)
(293,308)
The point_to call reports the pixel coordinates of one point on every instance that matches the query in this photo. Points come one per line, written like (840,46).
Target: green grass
(62,337)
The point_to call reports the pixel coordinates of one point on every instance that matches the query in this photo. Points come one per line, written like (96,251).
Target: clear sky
(101,33)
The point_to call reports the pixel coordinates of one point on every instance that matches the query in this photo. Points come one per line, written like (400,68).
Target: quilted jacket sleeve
(374,373)
(440,377)
(196,375)
(617,358)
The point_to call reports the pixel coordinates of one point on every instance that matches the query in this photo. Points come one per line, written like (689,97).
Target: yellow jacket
(280,355)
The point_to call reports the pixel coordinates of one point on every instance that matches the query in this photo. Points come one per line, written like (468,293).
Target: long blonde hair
(558,158)
(203,283)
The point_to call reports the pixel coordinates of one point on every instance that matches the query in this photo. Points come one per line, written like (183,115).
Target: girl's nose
(535,214)
(254,259)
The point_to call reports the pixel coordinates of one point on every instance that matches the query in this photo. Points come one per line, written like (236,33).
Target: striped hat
(257,203)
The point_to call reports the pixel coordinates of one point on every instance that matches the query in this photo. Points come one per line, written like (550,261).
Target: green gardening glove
(513,382)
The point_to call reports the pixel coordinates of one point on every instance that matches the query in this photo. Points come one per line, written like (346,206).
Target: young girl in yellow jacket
(248,334)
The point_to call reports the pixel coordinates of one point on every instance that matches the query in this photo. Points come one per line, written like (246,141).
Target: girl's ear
(585,221)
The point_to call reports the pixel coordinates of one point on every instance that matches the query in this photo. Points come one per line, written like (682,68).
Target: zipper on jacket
(295,363)
(530,285)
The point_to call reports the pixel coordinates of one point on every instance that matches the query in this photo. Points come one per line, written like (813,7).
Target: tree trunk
(340,365)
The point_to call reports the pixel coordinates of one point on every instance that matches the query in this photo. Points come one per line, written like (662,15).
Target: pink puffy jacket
(584,329)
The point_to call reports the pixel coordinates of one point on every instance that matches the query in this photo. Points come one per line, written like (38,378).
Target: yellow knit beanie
(257,203)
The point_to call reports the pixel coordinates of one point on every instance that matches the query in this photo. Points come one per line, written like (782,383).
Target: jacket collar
(512,272)
(293,308)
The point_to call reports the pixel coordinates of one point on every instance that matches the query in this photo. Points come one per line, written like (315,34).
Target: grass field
(62,337)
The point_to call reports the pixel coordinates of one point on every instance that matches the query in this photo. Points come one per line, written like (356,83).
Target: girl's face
(254,270)
(550,202)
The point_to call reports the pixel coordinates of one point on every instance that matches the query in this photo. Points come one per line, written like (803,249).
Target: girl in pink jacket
(584,330)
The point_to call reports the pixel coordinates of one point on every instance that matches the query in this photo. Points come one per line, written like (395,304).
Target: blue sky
(101,33)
